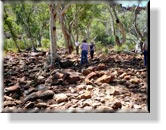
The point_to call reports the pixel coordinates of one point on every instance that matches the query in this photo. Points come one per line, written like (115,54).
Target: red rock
(22,80)
(101,66)
(58,75)
(116,93)
(85,95)
(40,77)
(88,70)
(74,77)
(41,105)
(89,87)
(104,109)
(127,77)
(9,103)
(117,105)
(115,74)
(104,79)
(87,102)
(96,104)
(135,80)
(29,105)
(81,87)
(92,75)
(14,88)
(61,98)
(48,94)
(122,75)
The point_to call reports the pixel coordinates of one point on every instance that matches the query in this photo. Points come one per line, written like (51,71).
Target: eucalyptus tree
(25,14)
(53,38)
(10,25)
(117,25)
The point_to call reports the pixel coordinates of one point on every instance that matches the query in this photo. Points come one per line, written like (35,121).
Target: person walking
(145,52)
(92,46)
(84,53)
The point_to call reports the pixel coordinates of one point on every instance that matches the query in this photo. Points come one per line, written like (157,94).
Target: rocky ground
(109,83)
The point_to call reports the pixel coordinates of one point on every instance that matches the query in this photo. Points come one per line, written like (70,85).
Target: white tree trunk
(53,46)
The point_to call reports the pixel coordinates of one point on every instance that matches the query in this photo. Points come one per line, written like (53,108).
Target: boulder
(41,105)
(31,97)
(127,77)
(122,75)
(61,98)
(117,105)
(101,66)
(9,103)
(85,95)
(29,105)
(87,102)
(104,79)
(135,80)
(48,94)
(80,87)
(96,104)
(13,88)
(89,87)
(40,77)
(104,109)
(73,77)
(58,75)
(88,70)
(92,75)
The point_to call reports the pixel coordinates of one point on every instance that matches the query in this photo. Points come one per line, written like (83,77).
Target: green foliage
(120,48)
(29,23)
(8,44)
(128,46)
(105,50)
(45,43)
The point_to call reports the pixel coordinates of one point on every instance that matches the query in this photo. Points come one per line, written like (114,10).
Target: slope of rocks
(112,83)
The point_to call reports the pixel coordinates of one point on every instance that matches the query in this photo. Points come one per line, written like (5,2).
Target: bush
(61,42)
(98,46)
(22,44)
(45,43)
(110,40)
(105,39)
(120,48)
(105,50)
(9,45)
(128,46)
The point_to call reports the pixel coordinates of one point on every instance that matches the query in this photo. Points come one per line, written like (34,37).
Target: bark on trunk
(76,18)
(113,25)
(53,46)
(65,31)
(135,24)
(120,25)
(11,31)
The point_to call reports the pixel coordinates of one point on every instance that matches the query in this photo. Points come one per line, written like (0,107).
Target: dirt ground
(109,83)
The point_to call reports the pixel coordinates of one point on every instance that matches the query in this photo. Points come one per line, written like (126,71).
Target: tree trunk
(33,47)
(113,24)
(135,24)
(66,33)
(88,31)
(15,40)
(66,36)
(117,42)
(39,41)
(120,25)
(53,46)
(11,31)
(76,17)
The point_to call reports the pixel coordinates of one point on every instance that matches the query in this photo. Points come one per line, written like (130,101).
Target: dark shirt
(91,47)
